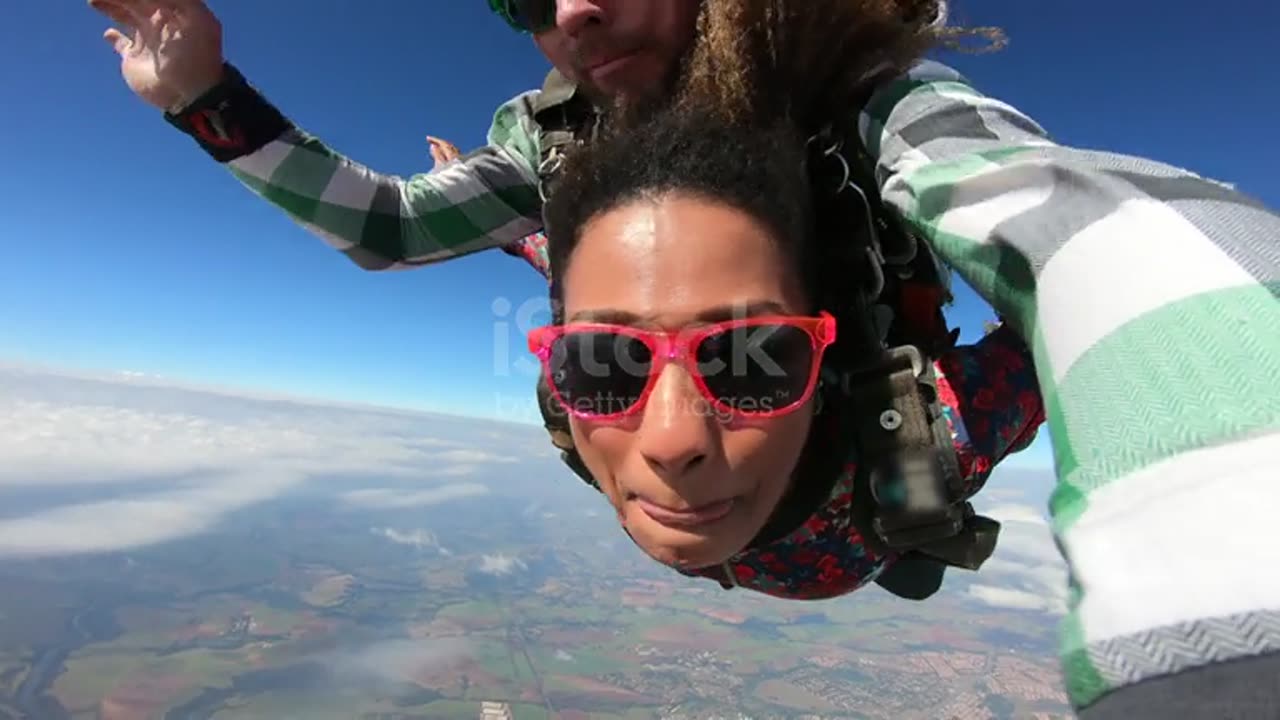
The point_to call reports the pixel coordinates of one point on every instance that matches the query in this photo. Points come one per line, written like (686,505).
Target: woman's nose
(677,432)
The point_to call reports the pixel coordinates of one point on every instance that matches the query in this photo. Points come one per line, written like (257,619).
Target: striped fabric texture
(489,198)
(1148,294)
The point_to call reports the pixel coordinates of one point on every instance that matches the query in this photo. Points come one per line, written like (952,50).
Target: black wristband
(231,120)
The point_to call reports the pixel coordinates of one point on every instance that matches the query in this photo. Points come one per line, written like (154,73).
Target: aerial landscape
(461,566)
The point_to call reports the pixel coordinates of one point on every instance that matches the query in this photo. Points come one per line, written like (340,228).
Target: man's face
(619,47)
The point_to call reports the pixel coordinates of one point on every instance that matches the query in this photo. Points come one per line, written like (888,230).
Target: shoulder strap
(565,117)
(909,495)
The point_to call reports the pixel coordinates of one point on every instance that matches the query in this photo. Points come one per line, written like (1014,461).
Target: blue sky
(127,249)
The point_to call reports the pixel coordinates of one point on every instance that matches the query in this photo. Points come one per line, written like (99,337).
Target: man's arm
(487,199)
(1149,297)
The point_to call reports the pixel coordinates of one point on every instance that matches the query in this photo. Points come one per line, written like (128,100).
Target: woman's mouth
(685,518)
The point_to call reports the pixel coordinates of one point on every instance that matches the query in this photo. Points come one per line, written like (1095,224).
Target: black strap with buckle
(564,118)
(909,495)
(912,493)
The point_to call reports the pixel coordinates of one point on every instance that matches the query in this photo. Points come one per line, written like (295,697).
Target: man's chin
(620,94)
(638,88)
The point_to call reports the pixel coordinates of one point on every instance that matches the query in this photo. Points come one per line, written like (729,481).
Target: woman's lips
(686,518)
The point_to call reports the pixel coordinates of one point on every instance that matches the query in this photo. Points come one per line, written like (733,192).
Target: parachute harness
(884,375)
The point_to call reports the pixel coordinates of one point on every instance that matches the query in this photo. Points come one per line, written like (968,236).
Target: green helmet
(526,16)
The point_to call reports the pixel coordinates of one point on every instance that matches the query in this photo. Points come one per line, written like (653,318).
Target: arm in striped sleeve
(1149,297)
(488,198)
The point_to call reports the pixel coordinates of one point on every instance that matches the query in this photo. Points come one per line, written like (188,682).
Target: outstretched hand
(443,152)
(174,52)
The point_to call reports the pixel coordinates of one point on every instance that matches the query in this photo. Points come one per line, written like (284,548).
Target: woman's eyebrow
(749,308)
(605,315)
(741,309)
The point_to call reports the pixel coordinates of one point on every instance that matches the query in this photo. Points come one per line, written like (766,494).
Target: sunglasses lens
(599,373)
(529,15)
(757,369)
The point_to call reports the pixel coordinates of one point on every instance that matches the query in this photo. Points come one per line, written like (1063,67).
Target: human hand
(175,52)
(443,152)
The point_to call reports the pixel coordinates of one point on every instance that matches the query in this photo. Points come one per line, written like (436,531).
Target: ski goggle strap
(526,16)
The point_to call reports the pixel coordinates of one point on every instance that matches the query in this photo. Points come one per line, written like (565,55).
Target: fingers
(188,11)
(118,13)
(137,15)
(188,8)
(443,151)
(117,40)
(437,153)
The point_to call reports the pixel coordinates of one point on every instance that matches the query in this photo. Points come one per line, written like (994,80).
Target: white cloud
(420,539)
(1012,599)
(66,443)
(500,564)
(387,499)
(398,660)
(1011,512)
(471,457)
(167,461)
(452,471)
(138,520)
(136,374)
(1026,571)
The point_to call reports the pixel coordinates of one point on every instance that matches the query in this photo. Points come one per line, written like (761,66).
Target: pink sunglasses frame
(677,346)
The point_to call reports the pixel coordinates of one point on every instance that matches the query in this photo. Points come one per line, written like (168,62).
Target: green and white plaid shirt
(1148,294)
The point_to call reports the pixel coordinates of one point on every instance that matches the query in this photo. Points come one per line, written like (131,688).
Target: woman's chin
(683,548)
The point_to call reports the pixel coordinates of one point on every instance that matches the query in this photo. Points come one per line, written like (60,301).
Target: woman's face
(691,485)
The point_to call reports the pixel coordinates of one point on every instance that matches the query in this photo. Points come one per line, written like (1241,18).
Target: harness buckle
(547,170)
(912,479)
(914,505)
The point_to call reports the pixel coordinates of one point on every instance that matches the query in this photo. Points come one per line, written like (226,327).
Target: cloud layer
(133,463)
(154,462)
(1026,572)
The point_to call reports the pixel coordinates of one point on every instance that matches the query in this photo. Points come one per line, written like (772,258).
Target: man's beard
(660,94)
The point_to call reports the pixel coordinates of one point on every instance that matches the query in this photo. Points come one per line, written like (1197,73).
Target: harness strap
(909,469)
(564,116)
(909,493)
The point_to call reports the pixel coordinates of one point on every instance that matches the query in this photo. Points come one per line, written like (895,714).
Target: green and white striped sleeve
(1149,296)
(488,198)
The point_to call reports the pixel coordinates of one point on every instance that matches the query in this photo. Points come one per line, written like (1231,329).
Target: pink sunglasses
(758,367)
